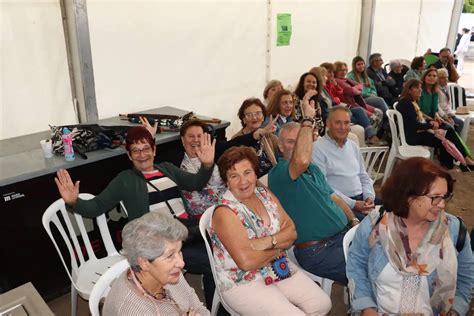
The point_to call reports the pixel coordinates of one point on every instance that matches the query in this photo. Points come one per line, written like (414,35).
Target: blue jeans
(324,259)
(377,102)
(359,117)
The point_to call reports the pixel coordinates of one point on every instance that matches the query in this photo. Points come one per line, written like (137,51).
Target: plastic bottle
(67,145)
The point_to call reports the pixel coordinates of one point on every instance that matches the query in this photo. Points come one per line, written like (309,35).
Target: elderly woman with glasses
(404,261)
(132,188)
(252,113)
(250,232)
(154,284)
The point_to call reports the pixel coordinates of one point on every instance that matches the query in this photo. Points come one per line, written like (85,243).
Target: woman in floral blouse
(250,233)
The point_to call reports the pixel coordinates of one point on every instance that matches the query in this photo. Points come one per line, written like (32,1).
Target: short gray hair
(147,236)
(394,63)
(338,108)
(288,126)
(373,57)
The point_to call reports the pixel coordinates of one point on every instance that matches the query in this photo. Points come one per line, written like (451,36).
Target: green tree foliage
(468,6)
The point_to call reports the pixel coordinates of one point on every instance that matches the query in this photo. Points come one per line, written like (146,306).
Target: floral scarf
(435,253)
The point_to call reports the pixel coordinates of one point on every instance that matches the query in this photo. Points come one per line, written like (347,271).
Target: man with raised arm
(320,216)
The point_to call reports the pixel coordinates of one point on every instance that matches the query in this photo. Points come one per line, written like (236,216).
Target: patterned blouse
(228,273)
(199,201)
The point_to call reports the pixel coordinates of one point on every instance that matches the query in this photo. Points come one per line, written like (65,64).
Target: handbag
(277,270)
(192,224)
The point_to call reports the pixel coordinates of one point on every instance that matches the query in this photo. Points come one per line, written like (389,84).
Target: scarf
(419,115)
(435,253)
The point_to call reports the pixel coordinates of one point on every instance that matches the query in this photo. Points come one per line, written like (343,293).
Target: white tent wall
(407,28)
(316,37)
(34,80)
(204,56)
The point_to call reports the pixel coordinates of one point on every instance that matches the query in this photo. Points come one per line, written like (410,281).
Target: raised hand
(206,150)
(308,107)
(148,126)
(68,190)
(271,126)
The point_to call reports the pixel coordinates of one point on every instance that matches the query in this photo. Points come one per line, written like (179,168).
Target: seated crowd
(404,257)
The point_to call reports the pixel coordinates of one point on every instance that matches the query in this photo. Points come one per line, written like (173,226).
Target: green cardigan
(366,91)
(429,103)
(130,187)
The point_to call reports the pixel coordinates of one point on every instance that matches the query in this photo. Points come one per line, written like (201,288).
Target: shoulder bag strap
(157,190)
(461,235)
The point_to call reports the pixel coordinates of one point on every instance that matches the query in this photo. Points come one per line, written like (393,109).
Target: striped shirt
(169,191)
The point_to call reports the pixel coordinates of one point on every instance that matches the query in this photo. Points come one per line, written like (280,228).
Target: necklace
(158,295)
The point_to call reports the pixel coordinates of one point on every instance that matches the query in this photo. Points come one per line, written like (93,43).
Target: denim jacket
(364,265)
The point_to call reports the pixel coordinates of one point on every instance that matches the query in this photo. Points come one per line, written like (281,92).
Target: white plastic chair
(346,244)
(373,160)
(102,286)
(204,223)
(400,149)
(84,272)
(455,93)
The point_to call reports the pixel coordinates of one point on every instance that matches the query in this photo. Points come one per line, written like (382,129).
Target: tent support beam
(367,18)
(78,47)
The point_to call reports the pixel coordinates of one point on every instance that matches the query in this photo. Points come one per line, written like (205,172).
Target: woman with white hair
(154,284)
(397,72)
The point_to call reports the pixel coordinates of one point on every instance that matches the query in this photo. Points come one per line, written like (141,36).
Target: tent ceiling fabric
(407,28)
(206,56)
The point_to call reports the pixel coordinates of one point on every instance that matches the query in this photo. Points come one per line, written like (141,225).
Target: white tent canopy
(205,56)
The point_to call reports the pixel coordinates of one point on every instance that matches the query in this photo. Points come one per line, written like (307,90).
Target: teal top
(307,200)
(366,91)
(130,187)
(428,103)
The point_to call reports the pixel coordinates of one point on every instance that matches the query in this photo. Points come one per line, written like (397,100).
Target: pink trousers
(297,295)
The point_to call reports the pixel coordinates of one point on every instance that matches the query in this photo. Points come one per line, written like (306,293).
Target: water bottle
(67,145)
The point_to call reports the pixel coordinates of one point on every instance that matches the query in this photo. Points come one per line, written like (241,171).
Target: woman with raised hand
(252,113)
(132,188)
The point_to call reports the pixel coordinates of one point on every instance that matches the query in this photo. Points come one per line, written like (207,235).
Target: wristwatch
(274,241)
(354,221)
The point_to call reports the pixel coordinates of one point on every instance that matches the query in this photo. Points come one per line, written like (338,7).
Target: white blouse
(388,289)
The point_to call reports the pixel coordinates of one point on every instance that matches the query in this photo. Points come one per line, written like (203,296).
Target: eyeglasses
(257,114)
(436,199)
(137,151)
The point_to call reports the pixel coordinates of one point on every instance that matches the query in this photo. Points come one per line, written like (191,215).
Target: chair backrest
(395,120)
(204,224)
(456,95)
(346,243)
(102,287)
(57,215)
(347,240)
(374,158)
